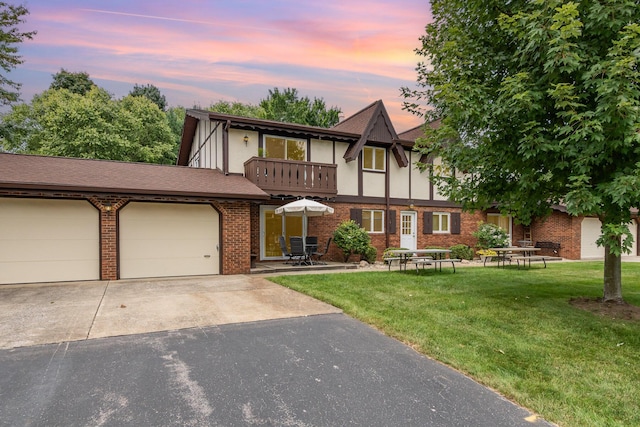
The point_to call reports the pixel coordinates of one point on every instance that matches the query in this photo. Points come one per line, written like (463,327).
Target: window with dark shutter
(428,223)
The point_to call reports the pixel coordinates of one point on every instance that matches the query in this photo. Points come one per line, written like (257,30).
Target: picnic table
(517,253)
(420,257)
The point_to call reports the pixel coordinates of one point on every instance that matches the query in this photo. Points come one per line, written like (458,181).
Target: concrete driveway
(59,312)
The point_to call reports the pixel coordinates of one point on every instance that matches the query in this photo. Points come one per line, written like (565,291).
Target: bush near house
(461,252)
(354,240)
(490,236)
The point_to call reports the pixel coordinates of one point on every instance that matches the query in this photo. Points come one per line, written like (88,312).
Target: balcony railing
(292,178)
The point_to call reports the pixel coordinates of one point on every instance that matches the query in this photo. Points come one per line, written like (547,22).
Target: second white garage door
(590,232)
(165,239)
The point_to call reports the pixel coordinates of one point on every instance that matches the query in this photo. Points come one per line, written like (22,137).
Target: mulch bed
(612,310)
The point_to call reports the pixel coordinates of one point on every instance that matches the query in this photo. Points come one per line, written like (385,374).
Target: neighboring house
(65,219)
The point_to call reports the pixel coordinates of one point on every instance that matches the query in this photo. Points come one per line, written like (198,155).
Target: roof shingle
(18,171)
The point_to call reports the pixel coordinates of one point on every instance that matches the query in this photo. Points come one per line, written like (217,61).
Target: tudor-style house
(360,167)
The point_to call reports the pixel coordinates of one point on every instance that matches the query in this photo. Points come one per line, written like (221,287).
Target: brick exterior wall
(324,226)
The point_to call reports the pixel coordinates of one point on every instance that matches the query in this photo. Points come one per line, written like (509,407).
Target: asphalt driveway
(228,351)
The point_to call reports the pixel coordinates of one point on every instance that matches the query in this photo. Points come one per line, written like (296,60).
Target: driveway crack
(95,315)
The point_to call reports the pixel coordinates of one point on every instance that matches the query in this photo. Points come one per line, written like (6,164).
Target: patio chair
(285,251)
(319,255)
(297,249)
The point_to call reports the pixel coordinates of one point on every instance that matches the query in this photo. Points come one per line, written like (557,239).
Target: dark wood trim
(225,147)
(360,177)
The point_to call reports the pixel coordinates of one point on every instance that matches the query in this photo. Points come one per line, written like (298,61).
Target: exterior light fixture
(107,206)
(245,139)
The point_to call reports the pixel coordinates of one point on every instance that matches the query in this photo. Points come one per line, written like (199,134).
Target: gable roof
(19,171)
(374,125)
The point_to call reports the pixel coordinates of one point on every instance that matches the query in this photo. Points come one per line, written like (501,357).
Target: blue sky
(350,53)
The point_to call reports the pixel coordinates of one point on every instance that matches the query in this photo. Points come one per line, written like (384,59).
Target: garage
(590,232)
(45,240)
(168,239)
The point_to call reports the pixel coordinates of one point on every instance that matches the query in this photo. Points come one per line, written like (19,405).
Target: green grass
(511,330)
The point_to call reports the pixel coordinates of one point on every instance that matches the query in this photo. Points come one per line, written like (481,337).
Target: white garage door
(166,239)
(590,232)
(48,241)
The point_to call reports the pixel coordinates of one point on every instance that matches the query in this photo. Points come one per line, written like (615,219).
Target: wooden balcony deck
(292,178)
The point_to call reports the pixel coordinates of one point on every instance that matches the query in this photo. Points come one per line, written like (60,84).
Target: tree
(78,82)
(175,118)
(540,105)
(236,108)
(62,123)
(10,36)
(286,106)
(152,93)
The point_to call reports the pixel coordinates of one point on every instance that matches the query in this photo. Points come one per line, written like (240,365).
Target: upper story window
(373,221)
(373,158)
(277,147)
(441,222)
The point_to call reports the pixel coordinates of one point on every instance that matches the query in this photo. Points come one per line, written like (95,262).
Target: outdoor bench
(529,258)
(421,261)
(554,246)
(389,260)
(437,263)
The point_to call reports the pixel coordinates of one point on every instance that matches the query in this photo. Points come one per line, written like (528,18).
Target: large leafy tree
(75,82)
(11,17)
(540,105)
(62,123)
(288,106)
(152,93)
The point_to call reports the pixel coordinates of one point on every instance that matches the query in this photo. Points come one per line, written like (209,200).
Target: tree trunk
(612,277)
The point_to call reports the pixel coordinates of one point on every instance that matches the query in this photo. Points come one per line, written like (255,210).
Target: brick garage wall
(561,228)
(235,219)
(235,237)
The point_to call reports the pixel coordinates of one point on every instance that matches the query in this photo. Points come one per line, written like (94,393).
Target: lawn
(513,330)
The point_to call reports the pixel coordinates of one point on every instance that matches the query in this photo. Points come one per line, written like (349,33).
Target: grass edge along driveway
(512,330)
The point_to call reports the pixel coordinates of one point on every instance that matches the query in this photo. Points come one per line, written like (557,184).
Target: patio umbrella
(304,208)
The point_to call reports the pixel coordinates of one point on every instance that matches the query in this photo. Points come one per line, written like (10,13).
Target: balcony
(291,178)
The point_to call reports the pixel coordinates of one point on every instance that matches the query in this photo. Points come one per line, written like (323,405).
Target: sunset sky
(348,52)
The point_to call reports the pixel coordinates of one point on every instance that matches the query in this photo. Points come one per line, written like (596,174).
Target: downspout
(225,148)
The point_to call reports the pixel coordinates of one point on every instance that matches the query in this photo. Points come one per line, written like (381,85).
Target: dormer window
(277,147)
(373,159)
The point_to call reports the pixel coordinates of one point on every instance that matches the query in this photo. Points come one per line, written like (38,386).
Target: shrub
(461,252)
(371,254)
(491,236)
(351,239)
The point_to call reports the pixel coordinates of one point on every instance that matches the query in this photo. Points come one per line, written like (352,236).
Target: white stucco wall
(420,184)
(239,152)
(398,178)
(347,172)
(373,184)
(438,169)
(321,151)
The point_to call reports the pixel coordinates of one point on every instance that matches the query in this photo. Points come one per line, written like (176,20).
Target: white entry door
(408,238)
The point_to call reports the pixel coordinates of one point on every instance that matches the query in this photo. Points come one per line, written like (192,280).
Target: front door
(408,230)
(273,226)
